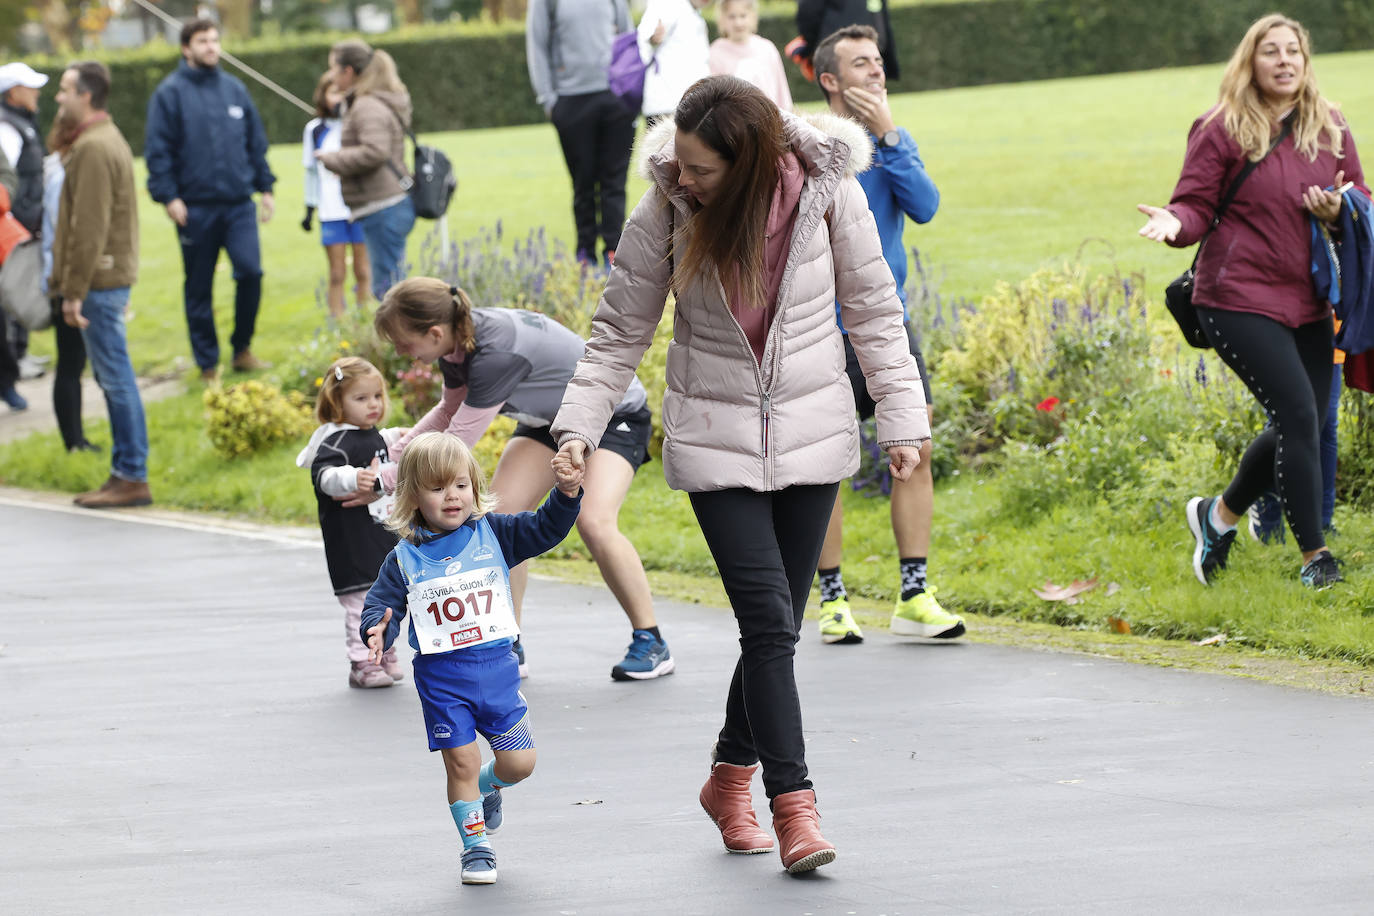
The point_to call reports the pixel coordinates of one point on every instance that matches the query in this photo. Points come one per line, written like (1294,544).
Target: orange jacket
(12,232)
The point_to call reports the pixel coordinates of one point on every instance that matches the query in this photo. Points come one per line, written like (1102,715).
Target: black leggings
(66,383)
(766,546)
(1285,369)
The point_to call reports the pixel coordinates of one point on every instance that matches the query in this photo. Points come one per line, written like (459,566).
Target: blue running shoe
(479,865)
(491,810)
(1211,550)
(519,650)
(10,395)
(647,657)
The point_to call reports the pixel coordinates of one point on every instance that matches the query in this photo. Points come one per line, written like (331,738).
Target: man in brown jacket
(95,262)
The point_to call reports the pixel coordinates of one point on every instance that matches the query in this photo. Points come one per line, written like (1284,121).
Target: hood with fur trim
(818,140)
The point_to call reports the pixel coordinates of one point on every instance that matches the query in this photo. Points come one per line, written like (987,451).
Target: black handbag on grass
(1178,295)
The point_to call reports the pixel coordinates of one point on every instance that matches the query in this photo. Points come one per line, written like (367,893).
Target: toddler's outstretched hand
(376,638)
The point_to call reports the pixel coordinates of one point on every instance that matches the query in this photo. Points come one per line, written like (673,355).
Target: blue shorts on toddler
(470,692)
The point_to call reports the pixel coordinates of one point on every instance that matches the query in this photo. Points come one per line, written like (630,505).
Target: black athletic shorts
(860,385)
(627,435)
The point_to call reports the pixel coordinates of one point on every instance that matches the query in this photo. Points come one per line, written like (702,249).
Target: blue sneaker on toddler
(479,865)
(491,810)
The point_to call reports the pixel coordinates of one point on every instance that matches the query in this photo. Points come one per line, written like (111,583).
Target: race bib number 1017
(461,610)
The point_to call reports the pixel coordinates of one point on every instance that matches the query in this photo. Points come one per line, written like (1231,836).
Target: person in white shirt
(672,42)
(323,194)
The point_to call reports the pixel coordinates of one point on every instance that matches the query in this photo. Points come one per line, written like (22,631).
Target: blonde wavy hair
(433,460)
(1250,122)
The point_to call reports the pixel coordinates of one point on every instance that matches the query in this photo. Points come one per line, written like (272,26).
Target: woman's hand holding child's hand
(570,466)
(902,460)
(376,637)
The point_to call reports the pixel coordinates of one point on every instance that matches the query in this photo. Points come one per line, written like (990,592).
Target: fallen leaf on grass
(1065,593)
(1113,588)
(1117,625)
(1217,640)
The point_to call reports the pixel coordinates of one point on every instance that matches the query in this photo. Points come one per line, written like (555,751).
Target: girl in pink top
(741,52)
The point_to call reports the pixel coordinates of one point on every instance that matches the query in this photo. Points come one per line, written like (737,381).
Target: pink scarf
(777,242)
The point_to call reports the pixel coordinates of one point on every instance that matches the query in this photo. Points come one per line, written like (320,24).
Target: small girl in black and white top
(345,453)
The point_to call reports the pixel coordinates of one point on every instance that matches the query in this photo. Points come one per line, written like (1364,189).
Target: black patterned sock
(832,584)
(913,576)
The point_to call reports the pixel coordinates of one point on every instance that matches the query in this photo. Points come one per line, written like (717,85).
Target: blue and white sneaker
(647,657)
(1211,549)
(479,865)
(519,651)
(491,811)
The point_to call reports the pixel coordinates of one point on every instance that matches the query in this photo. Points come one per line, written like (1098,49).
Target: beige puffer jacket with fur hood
(728,421)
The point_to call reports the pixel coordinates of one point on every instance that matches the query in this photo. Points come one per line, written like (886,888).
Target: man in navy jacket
(850,71)
(207,153)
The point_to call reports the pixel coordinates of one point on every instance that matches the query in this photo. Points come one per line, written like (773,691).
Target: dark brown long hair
(743,127)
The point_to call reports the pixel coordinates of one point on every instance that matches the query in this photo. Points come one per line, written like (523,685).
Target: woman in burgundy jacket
(1253,287)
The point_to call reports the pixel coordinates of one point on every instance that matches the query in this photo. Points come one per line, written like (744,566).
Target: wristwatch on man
(890,140)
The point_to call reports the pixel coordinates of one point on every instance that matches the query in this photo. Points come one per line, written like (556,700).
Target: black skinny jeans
(1289,371)
(66,383)
(766,546)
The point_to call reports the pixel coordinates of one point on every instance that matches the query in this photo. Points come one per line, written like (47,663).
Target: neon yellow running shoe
(921,615)
(837,624)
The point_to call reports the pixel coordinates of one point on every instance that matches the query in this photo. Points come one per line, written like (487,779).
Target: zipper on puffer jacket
(765,392)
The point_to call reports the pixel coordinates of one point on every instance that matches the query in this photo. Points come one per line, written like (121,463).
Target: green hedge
(473,74)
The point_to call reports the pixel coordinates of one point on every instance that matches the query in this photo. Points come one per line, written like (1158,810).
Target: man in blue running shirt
(849,70)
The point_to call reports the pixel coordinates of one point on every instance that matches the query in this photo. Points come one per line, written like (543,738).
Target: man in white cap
(23,147)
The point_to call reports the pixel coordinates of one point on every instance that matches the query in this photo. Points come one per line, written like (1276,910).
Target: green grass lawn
(1030,174)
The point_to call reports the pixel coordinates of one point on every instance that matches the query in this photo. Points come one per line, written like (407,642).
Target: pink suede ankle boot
(727,801)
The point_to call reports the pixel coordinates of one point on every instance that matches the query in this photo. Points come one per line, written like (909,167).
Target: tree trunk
(236,16)
(505,9)
(411,11)
(58,25)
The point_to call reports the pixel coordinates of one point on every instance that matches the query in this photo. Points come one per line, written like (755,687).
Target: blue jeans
(1269,525)
(386,232)
(210,227)
(109,355)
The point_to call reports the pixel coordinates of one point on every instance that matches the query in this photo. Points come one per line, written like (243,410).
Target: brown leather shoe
(116,493)
(798,827)
(726,800)
(209,376)
(245,361)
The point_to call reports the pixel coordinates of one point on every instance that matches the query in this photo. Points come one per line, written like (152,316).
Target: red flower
(1050,403)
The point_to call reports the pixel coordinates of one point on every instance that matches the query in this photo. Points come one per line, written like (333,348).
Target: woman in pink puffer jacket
(756,223)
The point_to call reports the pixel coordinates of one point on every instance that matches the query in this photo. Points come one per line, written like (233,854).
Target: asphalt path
(177,736)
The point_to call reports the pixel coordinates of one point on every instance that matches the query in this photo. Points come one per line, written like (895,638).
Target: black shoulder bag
(1178,295)
(433,183)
